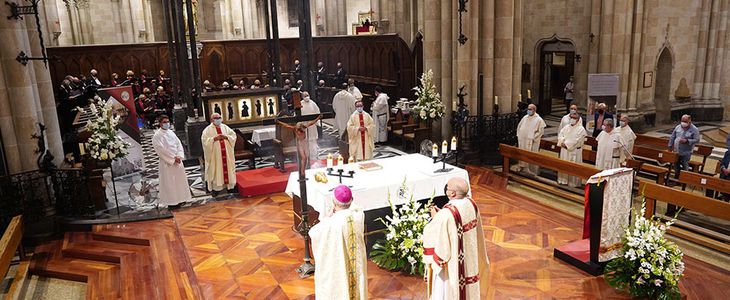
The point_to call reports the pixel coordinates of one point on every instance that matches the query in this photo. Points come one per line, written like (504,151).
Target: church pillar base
(194,130)
(179,116)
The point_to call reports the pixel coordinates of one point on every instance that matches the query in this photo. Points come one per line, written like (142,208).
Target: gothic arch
(548,76)
(663,86)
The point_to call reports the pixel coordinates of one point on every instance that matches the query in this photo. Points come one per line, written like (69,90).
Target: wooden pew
(9,245)
(591,141)
(704,181)
(703,151)
(652,142)
(664,159)
(589,156)
(544,161)
(704,205)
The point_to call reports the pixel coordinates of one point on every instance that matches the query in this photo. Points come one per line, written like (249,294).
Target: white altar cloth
(263,134)
(370,188)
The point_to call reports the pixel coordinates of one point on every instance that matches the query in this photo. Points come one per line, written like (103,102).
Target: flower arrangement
(650,266)
(104,143)
(402,249)
(428,103)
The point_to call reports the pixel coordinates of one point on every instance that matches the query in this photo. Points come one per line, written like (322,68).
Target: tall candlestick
(340,162)
(520,97)
(435,150)
(453,143)
(351,160)
(82,149)
(444,147)
(329,161)
(529,94)
(496,100)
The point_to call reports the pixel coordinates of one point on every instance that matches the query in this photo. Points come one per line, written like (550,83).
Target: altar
(370,189)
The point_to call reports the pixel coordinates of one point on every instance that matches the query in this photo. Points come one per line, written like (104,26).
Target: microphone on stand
(624,148)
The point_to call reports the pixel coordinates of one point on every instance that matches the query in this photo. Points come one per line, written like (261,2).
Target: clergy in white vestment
(610,145)
(454,250)
(628,136)
(309,107)
(565,121)
(353,89)
(381,112)
(529,132)
(174,188)
(360,134)
(338,246)
(570,141)
(343,104)
(220,164)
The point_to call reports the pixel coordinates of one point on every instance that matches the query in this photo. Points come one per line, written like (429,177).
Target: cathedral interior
(78,222)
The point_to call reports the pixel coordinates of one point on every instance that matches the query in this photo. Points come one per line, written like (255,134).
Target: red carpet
(263,181)
(266,180)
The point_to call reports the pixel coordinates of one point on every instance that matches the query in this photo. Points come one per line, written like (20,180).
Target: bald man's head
(457,188)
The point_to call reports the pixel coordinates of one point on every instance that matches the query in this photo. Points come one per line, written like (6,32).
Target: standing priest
(529,132)
(454,249)
(344,105)
(360,134)
(220,164)
(570,140)
(338,246)
(381,112)
(610,145)
(173,180)
(309,107)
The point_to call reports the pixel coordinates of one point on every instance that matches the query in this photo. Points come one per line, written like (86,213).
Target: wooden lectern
(607,213)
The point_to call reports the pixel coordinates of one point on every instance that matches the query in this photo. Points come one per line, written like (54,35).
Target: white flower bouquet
(402,249)
(650,266)
(104,144)
(428,103)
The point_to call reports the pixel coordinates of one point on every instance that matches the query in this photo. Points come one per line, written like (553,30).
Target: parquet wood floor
(246,249)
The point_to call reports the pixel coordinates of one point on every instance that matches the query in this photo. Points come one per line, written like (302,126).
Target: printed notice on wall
(603,84)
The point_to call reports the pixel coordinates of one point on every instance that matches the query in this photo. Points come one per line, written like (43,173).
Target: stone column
(237,19)
(21,113)
(7,127)
(635,72)
(504,31)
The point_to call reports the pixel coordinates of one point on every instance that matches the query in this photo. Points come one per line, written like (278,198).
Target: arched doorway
(556,66)
(663,88)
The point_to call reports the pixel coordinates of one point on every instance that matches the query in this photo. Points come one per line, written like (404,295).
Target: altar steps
(130,261)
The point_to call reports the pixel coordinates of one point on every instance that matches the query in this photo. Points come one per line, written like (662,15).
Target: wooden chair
(398,127)
(244,149)
(591,141)
(284,146)
(414,134)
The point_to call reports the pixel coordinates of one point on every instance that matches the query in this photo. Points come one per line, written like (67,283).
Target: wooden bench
(707,182)
(9,245)
(244,149)
(703,151)
(591,141)
(704,205)
(663,159)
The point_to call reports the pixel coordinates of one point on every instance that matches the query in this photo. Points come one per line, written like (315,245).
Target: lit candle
(82,149)
(520,97)
(329,161)
(496,100)
(435,150)
(444,147)
(453,143)
(529,94)
(340,162)
(351,160)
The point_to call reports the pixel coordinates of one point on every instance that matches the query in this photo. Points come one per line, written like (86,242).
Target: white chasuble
(174,187)
(529,132)
(344,105)
(381,115)
(361,142)
(311,108)
(570,141)
(220,162)
(338,246)
(629,137)
(454,251)
(355,92)
(608,154)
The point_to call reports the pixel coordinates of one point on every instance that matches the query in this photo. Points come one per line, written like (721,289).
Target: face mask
(685,124)
(603,127)
(217,122)
(306,99)
(530,112)
(622,123)
(573,121)
(166,126)
(573,111)
(359,109)
(600,111)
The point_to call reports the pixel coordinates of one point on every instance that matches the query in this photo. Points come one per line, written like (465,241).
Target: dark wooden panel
(381,59)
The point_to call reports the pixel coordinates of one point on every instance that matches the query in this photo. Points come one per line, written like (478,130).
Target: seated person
(725,171)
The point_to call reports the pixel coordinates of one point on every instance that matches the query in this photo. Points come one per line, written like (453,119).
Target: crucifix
(300,124)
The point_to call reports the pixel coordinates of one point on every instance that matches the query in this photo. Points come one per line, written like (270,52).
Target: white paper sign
(661,155)
(703,181)
(603,84)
